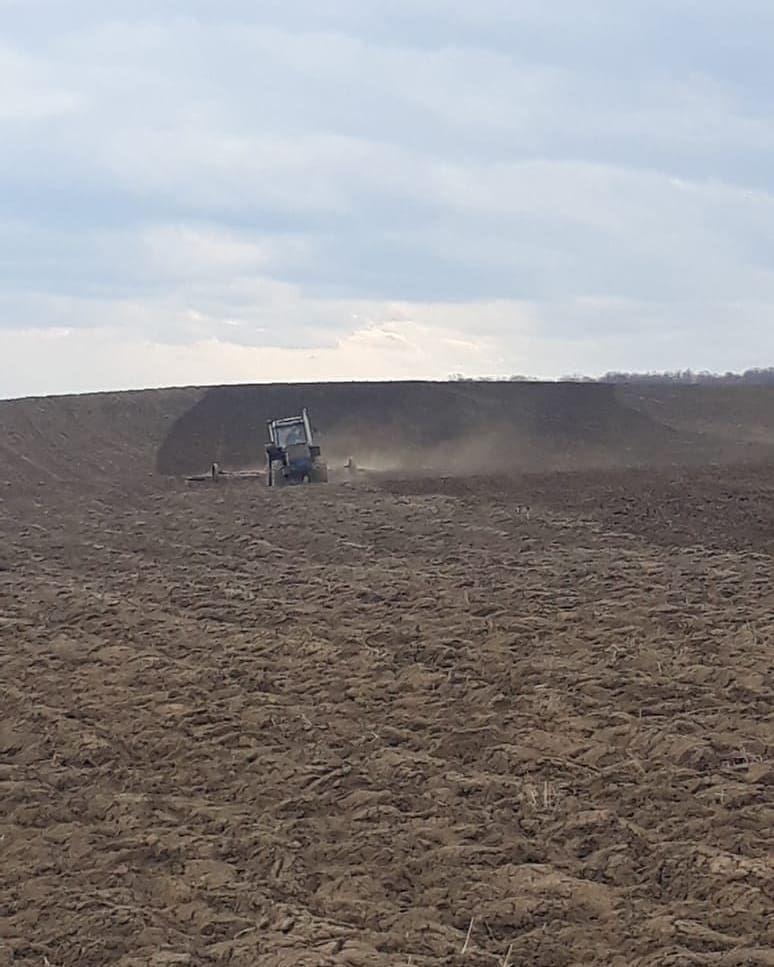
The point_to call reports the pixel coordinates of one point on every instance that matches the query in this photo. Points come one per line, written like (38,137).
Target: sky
(199,192)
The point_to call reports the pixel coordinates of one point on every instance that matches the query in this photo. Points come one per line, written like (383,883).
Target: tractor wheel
(276,476)
(320,473)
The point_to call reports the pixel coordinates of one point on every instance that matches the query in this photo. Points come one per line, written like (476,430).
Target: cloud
(190,177)
(417,341)
(90,359)
(29,93)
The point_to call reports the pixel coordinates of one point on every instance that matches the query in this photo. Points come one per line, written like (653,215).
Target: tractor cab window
(288,436)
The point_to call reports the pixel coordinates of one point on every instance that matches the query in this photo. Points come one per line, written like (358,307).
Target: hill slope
(104,438)
(737,413)
(450,427)
(83,440)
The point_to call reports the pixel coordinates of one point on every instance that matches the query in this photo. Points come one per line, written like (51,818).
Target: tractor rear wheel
(319,473)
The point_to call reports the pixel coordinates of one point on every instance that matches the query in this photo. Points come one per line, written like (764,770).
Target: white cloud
(421,341)
(50,360)
(29,92)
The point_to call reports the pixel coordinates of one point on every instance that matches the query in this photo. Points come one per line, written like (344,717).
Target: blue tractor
(292,454)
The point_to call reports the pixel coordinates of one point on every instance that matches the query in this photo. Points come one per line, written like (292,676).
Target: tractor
(292,455)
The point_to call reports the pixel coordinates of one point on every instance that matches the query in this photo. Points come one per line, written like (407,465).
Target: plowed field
(477,721)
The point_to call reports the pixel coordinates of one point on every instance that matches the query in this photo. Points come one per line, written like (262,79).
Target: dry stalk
(467,938)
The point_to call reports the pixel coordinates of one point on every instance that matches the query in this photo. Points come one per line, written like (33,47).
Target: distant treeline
(686,377)
(750,377)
